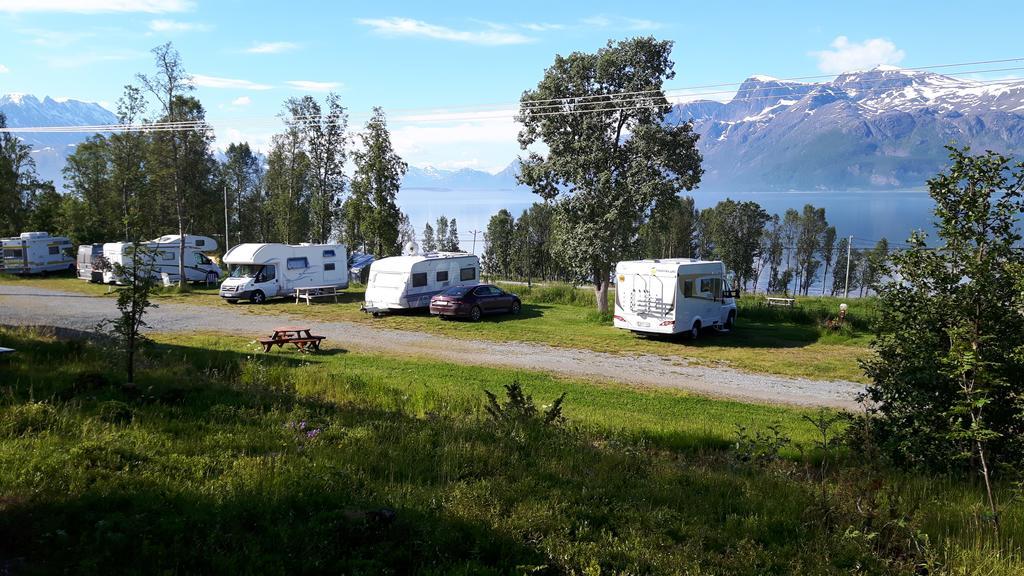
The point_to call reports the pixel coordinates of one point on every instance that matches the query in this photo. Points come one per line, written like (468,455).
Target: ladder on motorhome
(642,302)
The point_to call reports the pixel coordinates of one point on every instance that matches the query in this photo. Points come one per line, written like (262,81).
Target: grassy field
(775,341)
(223,459)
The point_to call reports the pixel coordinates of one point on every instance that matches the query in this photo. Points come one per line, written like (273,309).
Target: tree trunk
(601,292)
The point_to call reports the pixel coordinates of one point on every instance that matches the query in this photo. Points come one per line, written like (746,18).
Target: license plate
(644,324)
(440,303)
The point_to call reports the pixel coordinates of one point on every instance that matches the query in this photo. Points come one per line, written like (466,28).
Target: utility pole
(227,239)
(849,251)
(475,232)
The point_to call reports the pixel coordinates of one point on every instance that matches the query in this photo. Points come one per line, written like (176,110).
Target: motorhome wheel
(475,314)
(730,321)
(695,331)
(258,297)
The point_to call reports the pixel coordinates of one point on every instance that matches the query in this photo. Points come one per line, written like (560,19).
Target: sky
(448,74)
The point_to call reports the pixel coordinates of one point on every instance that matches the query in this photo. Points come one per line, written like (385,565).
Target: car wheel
(730,321)
(258,297)
(475,314)
(695,331)
(516,307)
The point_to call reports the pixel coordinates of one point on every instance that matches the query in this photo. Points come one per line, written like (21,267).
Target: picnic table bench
(310,292)
(297,335)
(777,301)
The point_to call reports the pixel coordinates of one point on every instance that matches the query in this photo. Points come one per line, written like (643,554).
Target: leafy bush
(520,411)
(114,412)
(28,418)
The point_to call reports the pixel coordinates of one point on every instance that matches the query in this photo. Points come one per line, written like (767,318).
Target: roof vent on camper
(411,249)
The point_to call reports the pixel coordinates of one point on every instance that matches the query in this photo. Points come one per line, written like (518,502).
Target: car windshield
(246,270)
(456,291)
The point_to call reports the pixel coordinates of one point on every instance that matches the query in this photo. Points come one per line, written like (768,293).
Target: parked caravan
(673,295)
(404,282)
(164,250)
(261,271)
(37,252)
(88,262)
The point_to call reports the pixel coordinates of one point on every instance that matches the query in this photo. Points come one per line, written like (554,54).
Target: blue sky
(449,73)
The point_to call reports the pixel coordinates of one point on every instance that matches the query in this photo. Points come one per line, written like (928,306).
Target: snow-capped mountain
(877,129)
(51,149)
(462,179)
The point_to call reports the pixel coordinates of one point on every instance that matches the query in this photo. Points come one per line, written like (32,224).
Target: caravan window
(688,289)
(167,255)
(442,275)
(328,266)
(707,285)
(329,254)
(200,242)
(54,250)
(419,279)
(200,259)
(467,274)
(297,263)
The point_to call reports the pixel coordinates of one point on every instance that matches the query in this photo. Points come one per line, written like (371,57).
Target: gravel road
(23,305)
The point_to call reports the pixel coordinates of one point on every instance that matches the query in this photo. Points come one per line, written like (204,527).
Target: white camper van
(261,271)
(88,263)
(37,252)
(198,266)
(404,282)
(670,296)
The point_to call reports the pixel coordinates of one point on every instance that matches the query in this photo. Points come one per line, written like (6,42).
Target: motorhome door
(268,282)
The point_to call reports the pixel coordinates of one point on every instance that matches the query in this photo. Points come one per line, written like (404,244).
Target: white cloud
(175,26)
(96,6)
(217,82)
(846,56)
(272,48)
(313,86)
(241,101)
(597,21)
(54,38)
(4,69)
(410,27)
(542,26)
(641,24)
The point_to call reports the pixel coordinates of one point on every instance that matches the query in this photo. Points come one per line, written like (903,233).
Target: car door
(269,282)
(484,298)
(502,299)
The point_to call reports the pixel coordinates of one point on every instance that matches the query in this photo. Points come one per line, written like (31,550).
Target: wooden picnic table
(310,292)
(300,336)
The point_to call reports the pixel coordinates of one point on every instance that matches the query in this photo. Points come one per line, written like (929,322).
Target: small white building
(262,271)
(164,251)
(37,252)
(671,296)
(405,282)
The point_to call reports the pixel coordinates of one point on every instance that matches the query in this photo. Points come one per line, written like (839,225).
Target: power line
(616,100)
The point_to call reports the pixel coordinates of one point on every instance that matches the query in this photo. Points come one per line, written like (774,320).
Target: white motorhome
(164,250)
(88,263)
(261,271)
(675,295)
(37,252)
(404,282)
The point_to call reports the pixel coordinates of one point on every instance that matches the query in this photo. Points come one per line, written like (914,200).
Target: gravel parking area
(25,306)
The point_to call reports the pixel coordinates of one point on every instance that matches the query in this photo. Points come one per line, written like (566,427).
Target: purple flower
(302,425)
(313,433)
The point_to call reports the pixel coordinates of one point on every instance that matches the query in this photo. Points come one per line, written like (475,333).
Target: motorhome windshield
(246,270)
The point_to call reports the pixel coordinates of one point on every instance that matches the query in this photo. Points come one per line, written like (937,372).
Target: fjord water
(866,215)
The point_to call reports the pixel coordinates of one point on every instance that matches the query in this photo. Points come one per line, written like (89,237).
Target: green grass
(205,468)
(788,342)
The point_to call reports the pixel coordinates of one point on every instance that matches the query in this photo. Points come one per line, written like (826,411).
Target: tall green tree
(127,160)
(18,182)
(872,264)
(90,202)
(948,373)
(733,232)
(452,242)
(429,241)
(168,85)
(378,177)
(828,252)
(671,229)
(242,173)
(499,241)
(610,157)
(287,186)
(808,246)
(441,232)
(325,138)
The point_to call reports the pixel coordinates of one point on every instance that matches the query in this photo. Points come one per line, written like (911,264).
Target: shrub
(114,412)
(519,410)
(28,418)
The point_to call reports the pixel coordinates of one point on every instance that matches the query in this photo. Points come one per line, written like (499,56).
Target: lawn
(224,459)
(773,341)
